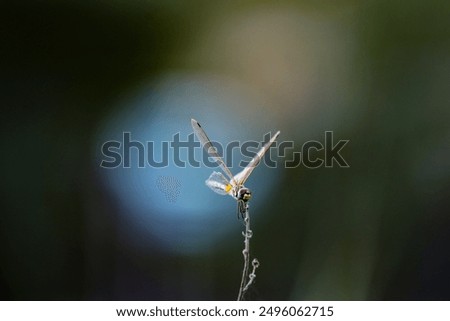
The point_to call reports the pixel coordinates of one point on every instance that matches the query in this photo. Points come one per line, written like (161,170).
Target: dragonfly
(232,185)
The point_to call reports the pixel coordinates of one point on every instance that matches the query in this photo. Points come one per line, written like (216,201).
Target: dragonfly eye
(244,194)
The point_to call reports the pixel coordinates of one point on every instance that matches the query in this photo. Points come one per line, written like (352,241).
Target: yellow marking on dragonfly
(228,188)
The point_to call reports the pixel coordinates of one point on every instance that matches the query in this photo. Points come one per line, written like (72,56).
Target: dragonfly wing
(218,183)
(242,176)
(208,146)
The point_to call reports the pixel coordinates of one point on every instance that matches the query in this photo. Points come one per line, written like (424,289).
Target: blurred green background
(374,72)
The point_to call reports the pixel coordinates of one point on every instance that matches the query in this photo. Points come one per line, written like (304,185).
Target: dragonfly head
(244,194)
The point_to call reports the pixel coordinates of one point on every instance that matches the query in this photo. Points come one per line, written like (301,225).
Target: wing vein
(210,149)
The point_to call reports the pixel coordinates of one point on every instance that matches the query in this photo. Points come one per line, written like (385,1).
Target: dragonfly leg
(242,208)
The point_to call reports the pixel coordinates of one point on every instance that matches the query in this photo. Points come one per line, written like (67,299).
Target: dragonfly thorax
(243,194)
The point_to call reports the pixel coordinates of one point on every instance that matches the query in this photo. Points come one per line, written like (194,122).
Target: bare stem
(246,252)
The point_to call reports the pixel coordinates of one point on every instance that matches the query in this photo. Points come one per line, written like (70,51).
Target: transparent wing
(206,143)
(242,176)
(218,183)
